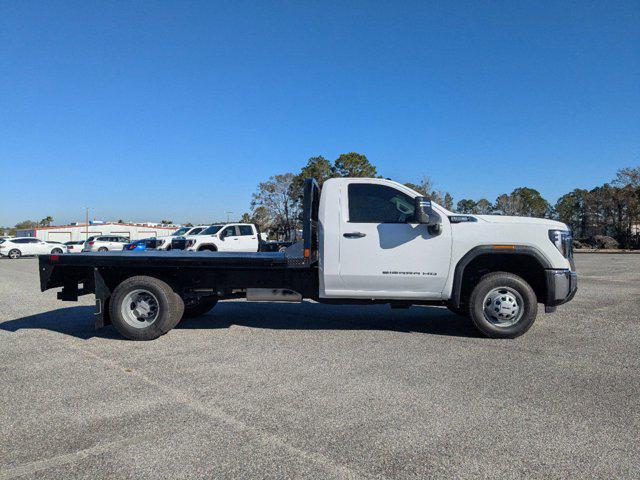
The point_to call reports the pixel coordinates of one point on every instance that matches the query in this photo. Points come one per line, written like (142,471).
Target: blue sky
(149,110)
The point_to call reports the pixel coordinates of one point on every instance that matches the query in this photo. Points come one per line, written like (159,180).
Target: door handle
(354,235)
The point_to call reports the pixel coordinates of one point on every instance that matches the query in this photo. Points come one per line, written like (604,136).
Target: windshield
(212,230)
(180,231)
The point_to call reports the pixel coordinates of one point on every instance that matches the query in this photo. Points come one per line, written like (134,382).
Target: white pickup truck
(228,237)
(365,241)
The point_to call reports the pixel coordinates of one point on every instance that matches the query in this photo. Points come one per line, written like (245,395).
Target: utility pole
(228,213)
(86,231)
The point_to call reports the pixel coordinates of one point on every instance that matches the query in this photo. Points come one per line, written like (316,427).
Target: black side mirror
(425,214)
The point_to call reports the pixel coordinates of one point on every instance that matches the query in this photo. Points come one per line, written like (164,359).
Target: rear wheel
(200,308)
(102,249)
(15,254)
(144,308)
(56,251)
(503,305)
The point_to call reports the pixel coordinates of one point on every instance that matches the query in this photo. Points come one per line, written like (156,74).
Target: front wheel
(144,308)
(15,254)
(503,305)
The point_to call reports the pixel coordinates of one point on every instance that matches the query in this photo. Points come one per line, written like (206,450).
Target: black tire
(170,308)
(510,283)
(56,251)
(200,308)
(103,249)
(15,254)
(208,248)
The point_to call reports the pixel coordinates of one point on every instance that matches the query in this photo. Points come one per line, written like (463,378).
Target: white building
(79,231)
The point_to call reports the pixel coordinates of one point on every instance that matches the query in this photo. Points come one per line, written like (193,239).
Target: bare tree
(275,203)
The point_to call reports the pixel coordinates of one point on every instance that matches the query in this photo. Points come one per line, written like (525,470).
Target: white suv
(104,243)
(24,246)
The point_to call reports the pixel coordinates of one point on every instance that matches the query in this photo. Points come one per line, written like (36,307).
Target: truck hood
(522,220)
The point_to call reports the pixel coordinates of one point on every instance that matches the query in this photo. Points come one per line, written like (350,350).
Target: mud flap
(103,294)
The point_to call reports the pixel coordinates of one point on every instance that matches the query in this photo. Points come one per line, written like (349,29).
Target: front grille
(178,244)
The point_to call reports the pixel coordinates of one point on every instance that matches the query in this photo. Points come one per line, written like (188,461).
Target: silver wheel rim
(140,308)
(503,307)
(13,254)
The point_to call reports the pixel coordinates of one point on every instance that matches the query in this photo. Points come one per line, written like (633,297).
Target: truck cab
(372,246)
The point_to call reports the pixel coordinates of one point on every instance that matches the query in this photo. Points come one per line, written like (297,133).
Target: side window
(371,203)
(195,231)
(230,232)
(33,240)
(245,230)
(20,240)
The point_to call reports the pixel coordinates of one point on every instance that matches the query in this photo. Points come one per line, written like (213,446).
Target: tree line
(611,210)
(607,215)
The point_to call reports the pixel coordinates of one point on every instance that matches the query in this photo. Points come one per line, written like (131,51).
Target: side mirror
(425,214)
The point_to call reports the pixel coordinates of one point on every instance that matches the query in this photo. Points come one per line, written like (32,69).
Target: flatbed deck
(170,258)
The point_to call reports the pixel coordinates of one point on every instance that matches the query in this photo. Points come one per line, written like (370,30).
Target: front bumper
(562,285)
(178,244)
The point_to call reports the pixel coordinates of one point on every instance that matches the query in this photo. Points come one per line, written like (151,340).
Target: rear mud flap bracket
(103,294)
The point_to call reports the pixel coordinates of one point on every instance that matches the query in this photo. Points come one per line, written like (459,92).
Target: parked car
(104,243)
(25,246)
(75,247)
(165,243)
(141,245)
(233,237)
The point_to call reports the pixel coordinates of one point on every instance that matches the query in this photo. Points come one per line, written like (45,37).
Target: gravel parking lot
(316,391)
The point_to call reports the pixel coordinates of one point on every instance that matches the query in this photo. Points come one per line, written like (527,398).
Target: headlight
(563,241)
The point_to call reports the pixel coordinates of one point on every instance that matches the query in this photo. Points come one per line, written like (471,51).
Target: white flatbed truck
(365,241)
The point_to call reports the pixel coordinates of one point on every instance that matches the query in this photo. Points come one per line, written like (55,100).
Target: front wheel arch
(524,261)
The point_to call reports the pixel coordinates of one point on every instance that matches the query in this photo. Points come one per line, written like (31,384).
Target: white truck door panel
(248,238)
(381,254)
(231,242)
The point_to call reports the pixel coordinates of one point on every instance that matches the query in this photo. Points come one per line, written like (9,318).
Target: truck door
(248,238)
(231,242)
(382,253)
